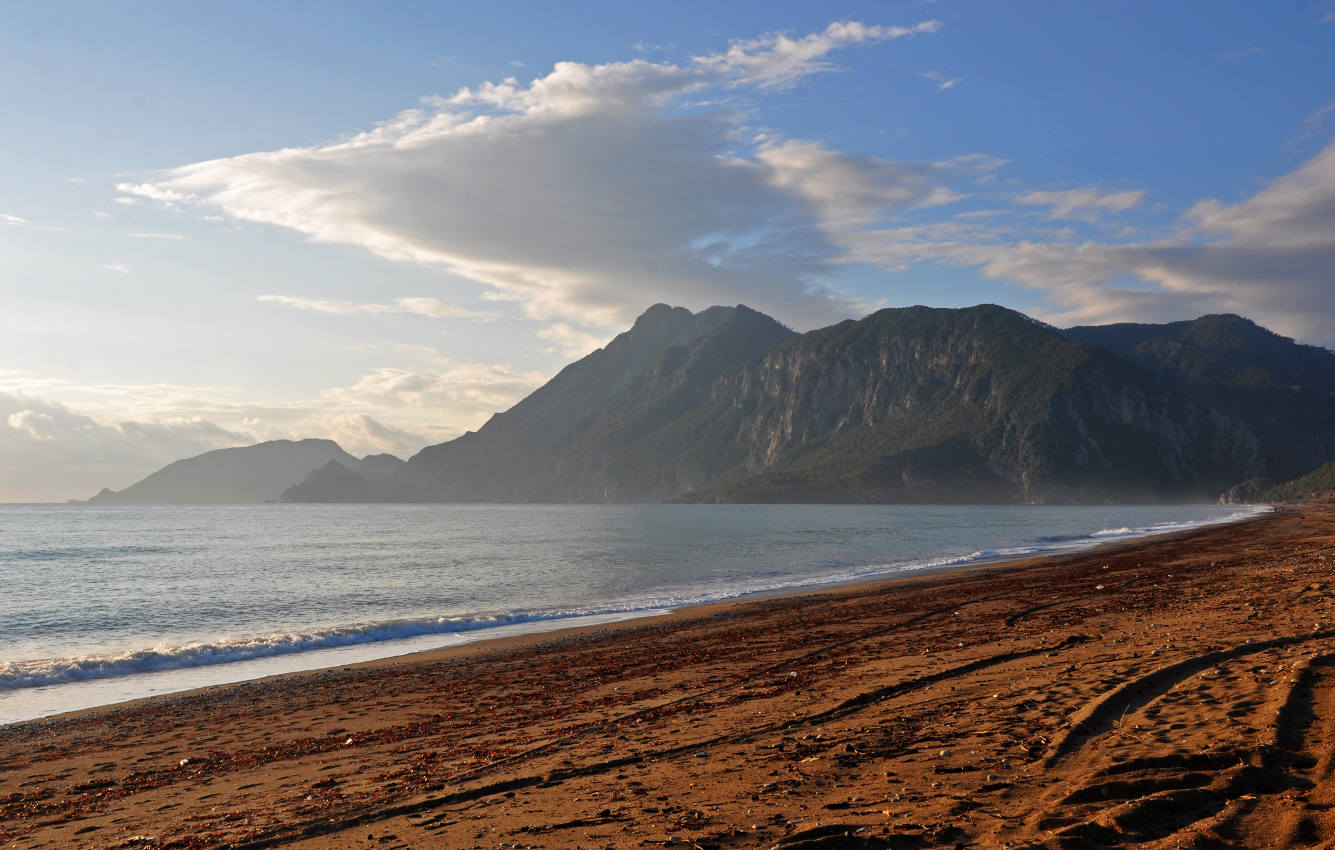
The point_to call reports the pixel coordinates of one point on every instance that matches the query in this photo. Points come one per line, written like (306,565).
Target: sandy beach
(1178,691)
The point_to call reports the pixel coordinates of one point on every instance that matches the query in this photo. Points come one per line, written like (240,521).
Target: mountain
(335,482)
(975,405)
(577,437)
(1316,486)
(907,405)
(1283,391)
(247,474)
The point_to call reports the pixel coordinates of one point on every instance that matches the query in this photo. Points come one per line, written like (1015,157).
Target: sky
(381,223)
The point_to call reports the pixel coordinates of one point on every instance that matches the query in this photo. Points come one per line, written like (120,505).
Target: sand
(1173,692)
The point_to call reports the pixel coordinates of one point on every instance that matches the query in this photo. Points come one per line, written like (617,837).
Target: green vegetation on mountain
(906,405)
(1283,391)
(914,404)
(974,405)
(1316,486)
(594,432)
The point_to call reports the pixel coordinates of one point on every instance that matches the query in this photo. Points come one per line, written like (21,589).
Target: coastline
(81,683)
(1042,701)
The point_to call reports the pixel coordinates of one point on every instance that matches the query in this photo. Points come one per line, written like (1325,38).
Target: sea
(104,604)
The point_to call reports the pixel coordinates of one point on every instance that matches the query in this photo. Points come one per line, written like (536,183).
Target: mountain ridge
(237,475)
(911,404)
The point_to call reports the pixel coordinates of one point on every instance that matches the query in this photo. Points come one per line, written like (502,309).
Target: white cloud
(777,59)
(174,236)
(589,192)
(112,435)
(38,426)
(15,221)
(152,192)
(460,388)
(118,268)
(1311,126)
(50,452)
(849,191)
(943,83)
(1268,257)
(420,306)
(571,341)
(1067,203)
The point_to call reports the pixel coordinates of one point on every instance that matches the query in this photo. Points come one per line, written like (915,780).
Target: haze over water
(107,604)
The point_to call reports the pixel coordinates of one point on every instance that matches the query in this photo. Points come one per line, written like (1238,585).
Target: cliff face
(906,405)
(1284,392)
(980,404)
(587,434)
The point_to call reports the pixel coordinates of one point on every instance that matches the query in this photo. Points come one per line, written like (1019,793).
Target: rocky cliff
(906,405)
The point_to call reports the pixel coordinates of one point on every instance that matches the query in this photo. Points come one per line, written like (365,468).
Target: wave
(51,671)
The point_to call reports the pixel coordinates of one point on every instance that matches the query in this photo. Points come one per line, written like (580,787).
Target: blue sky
(221,223)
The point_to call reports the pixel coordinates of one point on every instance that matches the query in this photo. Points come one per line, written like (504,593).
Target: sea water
(103,604)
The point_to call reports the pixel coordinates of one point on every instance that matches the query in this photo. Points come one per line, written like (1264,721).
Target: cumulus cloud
(847,191)
(113,435)
(50,452)
(421,306)
(1268,257)
(361,434)
(591,191)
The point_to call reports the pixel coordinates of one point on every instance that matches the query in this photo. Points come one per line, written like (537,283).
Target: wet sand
(1174,692)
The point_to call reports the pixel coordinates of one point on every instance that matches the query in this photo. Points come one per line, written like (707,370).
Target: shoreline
(1179,689)
(554,629)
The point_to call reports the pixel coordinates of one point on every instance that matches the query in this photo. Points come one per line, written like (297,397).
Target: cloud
(38,426)
(1067,203)
(571,341)
(459,388)
(114,435)
(175,236)
(361,435)
(1311,126)
(151,192)
(778,60)
(118,268)
(847,191)
(943,83)
(50,452)
(591,191)
(14,221)
(1268,257)
(421,306)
